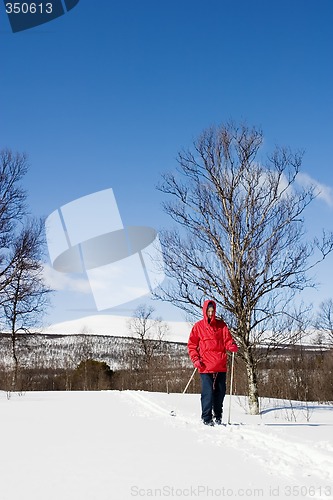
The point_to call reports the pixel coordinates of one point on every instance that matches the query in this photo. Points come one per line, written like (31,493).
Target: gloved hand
(233,348)
(197,364)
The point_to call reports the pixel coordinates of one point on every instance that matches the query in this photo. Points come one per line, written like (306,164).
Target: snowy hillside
(123,445)
(107,324)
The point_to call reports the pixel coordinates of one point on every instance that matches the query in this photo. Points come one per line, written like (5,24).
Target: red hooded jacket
(208,343)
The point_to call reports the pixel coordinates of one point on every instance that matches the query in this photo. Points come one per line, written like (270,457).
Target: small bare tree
(239,238)
(324,321)
(150,332)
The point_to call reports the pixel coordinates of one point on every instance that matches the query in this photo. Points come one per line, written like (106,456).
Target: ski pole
(231,382)
(188,383)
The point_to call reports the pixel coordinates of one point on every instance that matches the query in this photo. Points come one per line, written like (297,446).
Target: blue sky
(106,95)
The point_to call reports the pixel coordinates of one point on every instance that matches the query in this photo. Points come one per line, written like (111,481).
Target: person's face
(210,312)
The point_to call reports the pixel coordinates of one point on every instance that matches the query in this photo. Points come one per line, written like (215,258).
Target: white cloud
(269,177)
(322,191)
(118,282)
(62,281)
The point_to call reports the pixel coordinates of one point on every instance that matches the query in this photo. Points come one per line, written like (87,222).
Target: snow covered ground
(123,445)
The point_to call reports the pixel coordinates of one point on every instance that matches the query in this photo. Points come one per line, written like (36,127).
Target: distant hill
(116,326)
(67,351)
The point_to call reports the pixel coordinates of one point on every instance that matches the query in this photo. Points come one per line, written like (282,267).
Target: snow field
(123,445)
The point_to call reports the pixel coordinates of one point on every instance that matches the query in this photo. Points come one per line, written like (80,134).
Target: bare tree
(25,296)
(150,332)
(324,321)
(12,206)
(23,292)
(239,238)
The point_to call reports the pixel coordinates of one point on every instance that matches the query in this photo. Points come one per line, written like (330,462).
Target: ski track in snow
(280,456)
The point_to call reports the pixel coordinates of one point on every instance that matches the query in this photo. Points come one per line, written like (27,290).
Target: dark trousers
(213,387)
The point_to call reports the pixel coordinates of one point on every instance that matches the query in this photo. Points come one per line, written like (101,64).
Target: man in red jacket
(207,345)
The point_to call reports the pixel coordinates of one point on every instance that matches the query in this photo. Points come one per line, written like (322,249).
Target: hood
(204,310)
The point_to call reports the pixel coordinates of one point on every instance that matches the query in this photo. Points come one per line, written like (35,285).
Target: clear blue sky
(106,95)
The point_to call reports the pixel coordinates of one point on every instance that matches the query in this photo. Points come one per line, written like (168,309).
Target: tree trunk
(253,392)
(15,371)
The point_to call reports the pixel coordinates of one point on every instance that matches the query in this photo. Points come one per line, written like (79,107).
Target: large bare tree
(13,208)
(23,291)
(25,296)
(240,238)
